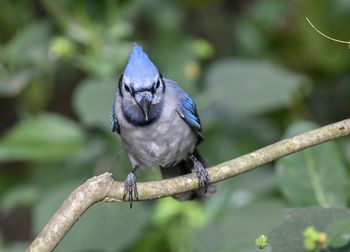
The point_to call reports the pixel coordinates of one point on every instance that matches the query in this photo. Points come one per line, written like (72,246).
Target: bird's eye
(127,88)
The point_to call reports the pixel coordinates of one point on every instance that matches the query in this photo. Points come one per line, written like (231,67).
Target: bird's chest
(164,142)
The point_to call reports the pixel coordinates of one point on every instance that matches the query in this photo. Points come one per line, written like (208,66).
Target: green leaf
(184,67)
(19,195)
(25,59)
(288,237)
(93,102)
(46,137)
(338,233)
(50,202)
(103,227)
(107,227)
(13,84)
(242,191)
(30,46)
(238,228)
(315,176)
(15,247)
(248,87)
(104,62)
(267,14)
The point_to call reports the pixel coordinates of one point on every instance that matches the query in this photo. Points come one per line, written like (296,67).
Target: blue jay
(159,125)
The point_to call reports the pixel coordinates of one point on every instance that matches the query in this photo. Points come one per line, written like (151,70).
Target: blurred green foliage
(256,69)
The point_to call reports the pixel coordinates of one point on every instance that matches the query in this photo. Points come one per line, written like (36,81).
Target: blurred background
(258,73)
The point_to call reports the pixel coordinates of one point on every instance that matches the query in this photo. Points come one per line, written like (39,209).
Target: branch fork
(104,188)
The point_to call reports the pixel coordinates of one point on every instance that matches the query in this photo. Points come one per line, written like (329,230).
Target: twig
(326,36)
(104,188)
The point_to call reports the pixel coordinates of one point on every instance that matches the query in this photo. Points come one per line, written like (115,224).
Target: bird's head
(141,87)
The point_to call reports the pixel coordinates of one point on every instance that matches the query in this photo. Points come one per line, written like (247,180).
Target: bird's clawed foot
(202,174)
(130,188)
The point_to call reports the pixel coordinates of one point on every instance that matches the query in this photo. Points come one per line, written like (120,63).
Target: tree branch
(104,188)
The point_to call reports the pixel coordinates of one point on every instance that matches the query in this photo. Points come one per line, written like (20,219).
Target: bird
(159,125)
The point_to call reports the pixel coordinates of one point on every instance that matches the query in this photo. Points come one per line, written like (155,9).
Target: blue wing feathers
(188,111)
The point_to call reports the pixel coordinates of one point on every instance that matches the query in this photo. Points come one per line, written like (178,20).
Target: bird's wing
(114,120)
(187,109)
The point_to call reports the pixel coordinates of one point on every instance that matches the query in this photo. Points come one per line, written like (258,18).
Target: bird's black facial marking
(126,87)
(136,118)
(134,114)
(120,81)
(155,86)
(161,81)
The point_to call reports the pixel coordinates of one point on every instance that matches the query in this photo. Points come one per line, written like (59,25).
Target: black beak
(144,102)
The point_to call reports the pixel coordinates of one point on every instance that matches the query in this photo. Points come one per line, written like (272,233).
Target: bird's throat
(135,116)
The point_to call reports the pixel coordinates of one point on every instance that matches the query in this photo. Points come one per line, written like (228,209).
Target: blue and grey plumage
(158,123)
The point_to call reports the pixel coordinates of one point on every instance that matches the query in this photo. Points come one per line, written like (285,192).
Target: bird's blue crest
(140,67)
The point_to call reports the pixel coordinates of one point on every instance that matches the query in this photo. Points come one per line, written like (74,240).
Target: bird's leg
(130,188)
(201,172)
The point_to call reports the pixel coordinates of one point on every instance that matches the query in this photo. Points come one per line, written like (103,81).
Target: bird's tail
(185,167)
